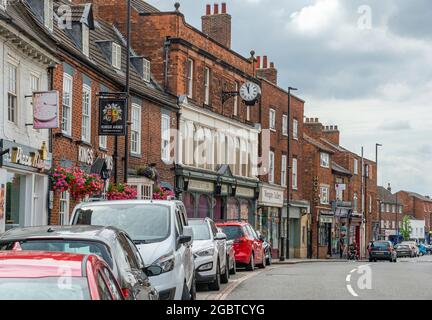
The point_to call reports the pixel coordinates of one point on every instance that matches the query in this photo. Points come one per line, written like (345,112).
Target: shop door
(204,206)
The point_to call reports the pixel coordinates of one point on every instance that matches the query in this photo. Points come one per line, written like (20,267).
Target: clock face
(250,91)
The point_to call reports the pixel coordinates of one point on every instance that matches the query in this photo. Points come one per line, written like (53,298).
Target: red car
(37,275)
(248,247)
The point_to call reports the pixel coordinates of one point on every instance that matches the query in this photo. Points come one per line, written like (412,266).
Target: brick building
(419,207)
(93,60)
(390,213)
(356,178)
(273,194)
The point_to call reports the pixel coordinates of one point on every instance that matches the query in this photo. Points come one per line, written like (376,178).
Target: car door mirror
(184,239)
(220,236)
(152,271)
(187,232)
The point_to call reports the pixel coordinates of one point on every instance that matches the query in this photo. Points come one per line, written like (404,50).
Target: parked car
(249,250)
(161,232)
(403,250)
(35,275)
(230,254)
(210,253)
(111,244)
(382,250)
(267,248)
(413,246)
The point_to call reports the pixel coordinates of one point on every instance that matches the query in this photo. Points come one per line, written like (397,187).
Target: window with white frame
(146,70)
(382,224)
(12,92)
(388,207)
(294,174)
(34,83)
(64,208)
(67,104)
(285,125)
(355,166)
(136,129)
(116,55)
(400,224)
(272,119)
(324,195)
(190,74)
(284,171)
(271,167)
(295,129)
(86,114)
(103,142)
(382,207)
(393,224)
(400,209)
(236,89)
(325,160)
(393,208)
(165,147)
(48,14)
(207,86)
(85,39)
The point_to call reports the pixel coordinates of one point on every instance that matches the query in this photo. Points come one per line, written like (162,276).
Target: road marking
(350,289)
(348,278)
(235,283)
(353,270)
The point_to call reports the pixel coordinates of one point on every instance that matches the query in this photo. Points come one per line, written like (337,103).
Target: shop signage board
(271,197)
(326,219)
(203,186)
(25,157)
(45,110)
(112,116)
(86,155)
(245,192)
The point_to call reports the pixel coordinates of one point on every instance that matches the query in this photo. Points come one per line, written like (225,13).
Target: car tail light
(126,293)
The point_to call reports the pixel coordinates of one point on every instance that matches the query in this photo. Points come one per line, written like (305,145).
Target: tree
(406,228)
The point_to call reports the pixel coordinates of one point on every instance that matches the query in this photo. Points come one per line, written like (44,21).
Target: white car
(210,252)
(161,233)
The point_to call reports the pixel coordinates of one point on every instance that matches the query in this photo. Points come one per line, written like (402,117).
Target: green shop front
(217,195)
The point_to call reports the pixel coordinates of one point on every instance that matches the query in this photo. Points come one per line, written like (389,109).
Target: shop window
(233,209)
(189,203)
(204,206)
(15,200)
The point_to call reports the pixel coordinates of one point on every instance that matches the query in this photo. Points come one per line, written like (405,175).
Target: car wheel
(251,265)
(215,285)
(225,275)
(264,260)
(233,270)
(370,260)
(193,289)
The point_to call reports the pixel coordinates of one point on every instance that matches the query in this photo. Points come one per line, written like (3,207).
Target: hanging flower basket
(121,192)
(163,194)
(77,182)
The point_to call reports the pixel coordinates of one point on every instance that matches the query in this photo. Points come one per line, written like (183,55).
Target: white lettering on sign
(17,156)
(85,155)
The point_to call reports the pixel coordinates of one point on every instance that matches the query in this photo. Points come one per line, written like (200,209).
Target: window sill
(63,135)
(273,130)
(84,143)
(103,149)
(135,155)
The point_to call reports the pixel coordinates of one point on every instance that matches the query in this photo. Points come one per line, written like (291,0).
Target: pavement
(409,278)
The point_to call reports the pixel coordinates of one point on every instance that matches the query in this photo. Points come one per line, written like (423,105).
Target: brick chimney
(266,71)
(332,134)
(313,128)
(218,24)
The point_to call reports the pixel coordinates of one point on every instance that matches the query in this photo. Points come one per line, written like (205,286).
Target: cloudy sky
(365,65)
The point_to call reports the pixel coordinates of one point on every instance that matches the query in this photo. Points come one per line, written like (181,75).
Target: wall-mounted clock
(250,91)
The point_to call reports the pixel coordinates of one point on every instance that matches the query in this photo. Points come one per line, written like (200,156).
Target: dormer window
(48,14)
(116,56)
(146,70)
(85,39)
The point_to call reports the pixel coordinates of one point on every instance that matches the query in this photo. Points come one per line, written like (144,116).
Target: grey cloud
(400,125)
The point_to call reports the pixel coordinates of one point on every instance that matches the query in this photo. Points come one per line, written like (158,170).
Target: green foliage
(406,228)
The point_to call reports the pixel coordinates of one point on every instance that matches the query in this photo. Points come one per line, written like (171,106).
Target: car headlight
(205,253)
(166,262)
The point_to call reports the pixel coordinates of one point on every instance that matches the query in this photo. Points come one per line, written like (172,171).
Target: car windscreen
(62,245)
(47,288)
(232,232)
(143,222)
(200,230)
(403,246)
(380,245)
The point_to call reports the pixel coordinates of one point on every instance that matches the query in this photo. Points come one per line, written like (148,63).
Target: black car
(382,250)
(111,244)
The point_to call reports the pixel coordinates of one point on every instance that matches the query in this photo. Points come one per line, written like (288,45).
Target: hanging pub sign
(45,110)
(112,116)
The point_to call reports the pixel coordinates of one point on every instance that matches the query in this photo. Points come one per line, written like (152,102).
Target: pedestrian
(341,247)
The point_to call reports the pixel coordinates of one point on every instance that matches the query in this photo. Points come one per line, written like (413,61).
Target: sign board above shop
(112,116)
(271,197)
(26,158)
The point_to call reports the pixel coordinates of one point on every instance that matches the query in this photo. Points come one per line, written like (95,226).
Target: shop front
(219,196)
(269,214)
(24,182)
(342,210)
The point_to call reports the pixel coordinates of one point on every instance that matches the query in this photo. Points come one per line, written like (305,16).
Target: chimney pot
(336,128)
(224,7)
(208,9)
(272,65)
(316,120)
(265,65)
(216,8)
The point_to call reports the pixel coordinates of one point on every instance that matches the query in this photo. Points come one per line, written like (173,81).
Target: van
(162,235)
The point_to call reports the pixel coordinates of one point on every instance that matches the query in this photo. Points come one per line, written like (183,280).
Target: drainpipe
(167,45)
(176,179)
(50,71)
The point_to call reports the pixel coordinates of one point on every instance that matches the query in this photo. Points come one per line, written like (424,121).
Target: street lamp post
(127,90)
(288,164)
(377,145)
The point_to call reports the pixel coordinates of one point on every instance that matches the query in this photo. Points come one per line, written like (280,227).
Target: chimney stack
(332,134)
(217,25)
(265,71)
(258,65)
